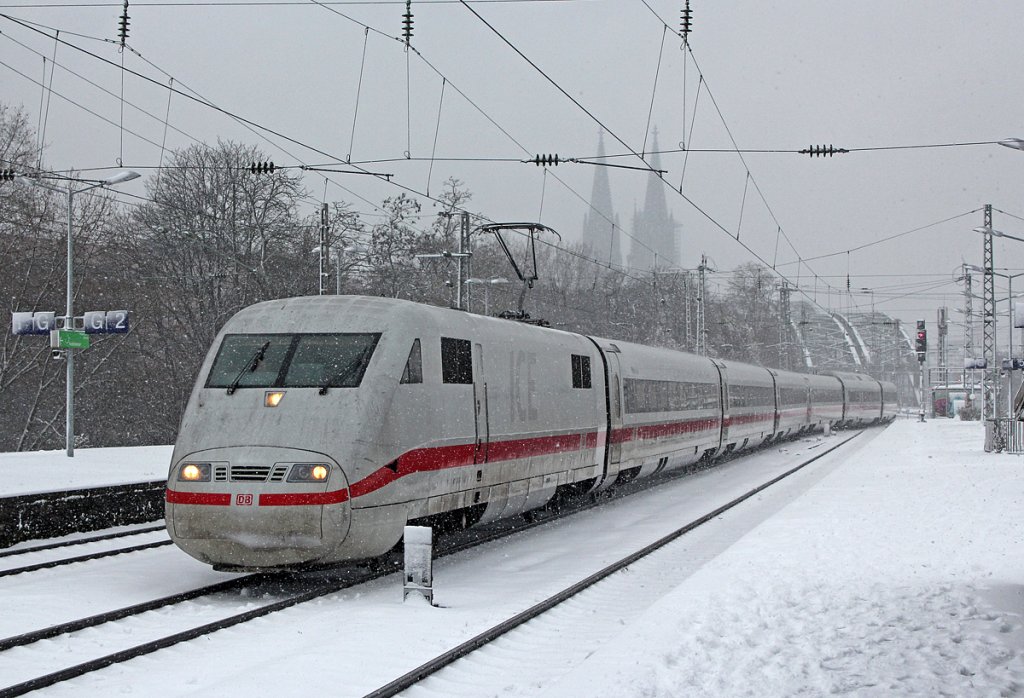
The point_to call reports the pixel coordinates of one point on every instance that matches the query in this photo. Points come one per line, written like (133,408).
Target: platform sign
(69,339)
(33,323)
(105,322)
(117,321)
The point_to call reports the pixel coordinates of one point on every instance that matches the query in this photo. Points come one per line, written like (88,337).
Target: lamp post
(459,257)
(988,230)
(1009,342)
(487,283)
(336,253)
(69,318)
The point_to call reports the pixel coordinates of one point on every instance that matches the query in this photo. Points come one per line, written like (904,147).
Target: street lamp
(69,318)
(487,283)
(460,258)
(336,253)
(996,233)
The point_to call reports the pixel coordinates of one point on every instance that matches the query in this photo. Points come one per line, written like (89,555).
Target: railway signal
(921,344)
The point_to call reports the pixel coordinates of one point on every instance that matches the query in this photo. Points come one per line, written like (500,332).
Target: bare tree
(391,256)
(217,235)
(33,244)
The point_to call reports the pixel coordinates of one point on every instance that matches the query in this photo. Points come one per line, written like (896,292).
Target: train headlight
(308,472)
(273,398)
(194,472)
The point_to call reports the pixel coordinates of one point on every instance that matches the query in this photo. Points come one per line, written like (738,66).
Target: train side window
(456,360)
(414,365)
(580,371)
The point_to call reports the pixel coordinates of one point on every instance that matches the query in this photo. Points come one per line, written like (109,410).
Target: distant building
(600,224)
(655,238)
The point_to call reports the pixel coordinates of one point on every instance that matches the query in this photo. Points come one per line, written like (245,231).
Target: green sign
(72,339)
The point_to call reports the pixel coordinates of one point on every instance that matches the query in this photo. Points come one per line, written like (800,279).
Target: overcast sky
(783,76)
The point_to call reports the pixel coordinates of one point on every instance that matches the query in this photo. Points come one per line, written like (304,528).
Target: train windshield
(291,360)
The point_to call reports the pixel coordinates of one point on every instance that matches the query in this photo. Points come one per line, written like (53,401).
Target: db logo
(243,500)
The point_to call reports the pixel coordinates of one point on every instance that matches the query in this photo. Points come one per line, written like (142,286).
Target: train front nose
(259,507)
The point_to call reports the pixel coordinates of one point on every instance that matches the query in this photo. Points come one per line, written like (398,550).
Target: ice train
(320,426)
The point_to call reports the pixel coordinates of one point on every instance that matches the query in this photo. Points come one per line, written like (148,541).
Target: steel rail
(81,541)
(421,672)
(82,558)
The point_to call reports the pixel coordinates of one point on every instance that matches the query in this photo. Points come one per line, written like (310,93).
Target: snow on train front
(273,435)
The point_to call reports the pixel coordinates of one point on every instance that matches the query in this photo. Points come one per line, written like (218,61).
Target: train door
(615,430)
(778,403)
(480,407)
(612,452)
(723,397)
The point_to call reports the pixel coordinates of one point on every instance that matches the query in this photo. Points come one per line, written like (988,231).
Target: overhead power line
(266,3)
(639,156)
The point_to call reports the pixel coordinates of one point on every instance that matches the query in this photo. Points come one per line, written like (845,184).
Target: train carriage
(750,415)
(794,400)
(826,401)
(665,409)
(444,412)
(862,398)
(890,401)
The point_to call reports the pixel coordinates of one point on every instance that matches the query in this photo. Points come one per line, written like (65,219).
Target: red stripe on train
(211,498)
(441,457)
(303,498)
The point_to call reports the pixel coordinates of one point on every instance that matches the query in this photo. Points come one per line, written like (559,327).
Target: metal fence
(1005,435)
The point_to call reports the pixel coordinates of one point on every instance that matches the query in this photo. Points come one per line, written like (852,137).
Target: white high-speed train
(320,426)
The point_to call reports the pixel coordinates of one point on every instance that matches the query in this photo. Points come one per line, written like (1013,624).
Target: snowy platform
(52,471)
(900,573)
(44,494)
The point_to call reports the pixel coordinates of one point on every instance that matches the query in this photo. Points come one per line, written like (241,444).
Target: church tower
(653,225)
(600,224)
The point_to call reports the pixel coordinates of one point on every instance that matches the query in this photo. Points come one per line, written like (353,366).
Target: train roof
(348,313)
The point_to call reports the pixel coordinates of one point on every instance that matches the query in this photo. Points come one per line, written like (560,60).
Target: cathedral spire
(600,227)
(653,225)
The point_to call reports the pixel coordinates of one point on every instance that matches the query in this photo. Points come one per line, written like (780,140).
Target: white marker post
(419,554)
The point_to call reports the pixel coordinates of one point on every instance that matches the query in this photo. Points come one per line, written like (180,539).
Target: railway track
(285,591)
(536,626)
(80,541)
(50,555)
(86,557)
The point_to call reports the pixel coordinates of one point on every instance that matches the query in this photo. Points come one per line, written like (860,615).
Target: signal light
(921,341)
(258,168)
(122,25)
(545,160)
(407,22)
(7,175)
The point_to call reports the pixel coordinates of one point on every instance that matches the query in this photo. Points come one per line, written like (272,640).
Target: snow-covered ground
(893,566)
(53,471)
(902,572)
